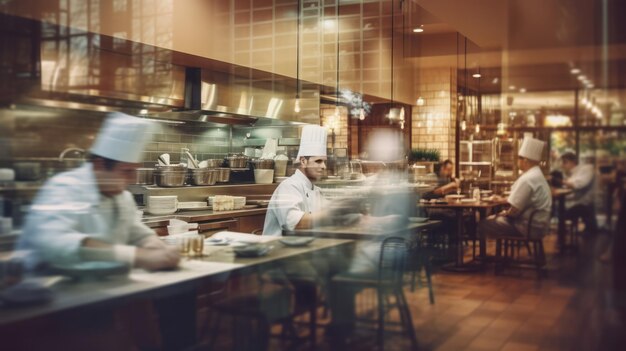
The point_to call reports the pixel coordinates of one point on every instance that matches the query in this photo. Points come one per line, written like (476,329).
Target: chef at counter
(86,213)
(297,203)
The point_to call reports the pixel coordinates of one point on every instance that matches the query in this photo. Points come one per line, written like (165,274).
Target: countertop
(200,216)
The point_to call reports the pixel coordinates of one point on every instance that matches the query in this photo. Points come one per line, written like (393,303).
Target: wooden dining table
(484,208)
(558,196)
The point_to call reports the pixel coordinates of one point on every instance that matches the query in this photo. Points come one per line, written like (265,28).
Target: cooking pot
(170,178)
(214,163)
(237,161)
(144,176)
(203,176)
(223,175)
(263,164)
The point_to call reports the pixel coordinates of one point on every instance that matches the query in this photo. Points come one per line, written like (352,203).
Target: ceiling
(529,44)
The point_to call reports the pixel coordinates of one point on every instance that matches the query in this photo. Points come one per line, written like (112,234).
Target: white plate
(191,204)
(203,208)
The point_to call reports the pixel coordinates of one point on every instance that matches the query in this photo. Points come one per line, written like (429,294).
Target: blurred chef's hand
(158,258)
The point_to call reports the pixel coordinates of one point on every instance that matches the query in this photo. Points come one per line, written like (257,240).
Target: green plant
(432,155)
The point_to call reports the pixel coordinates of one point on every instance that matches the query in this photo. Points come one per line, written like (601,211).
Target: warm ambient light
(420,101)
(522,90)
(476,75)
(362,114)
(296,107)
(574,71)
(418,29)
(511,87)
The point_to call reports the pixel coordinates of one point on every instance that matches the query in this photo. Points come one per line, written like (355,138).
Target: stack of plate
(162,205)
(193,206)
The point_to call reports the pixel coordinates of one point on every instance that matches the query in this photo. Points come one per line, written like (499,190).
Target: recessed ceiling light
(574,70)
(511,87)
(522,90)
(581,77)
(418,29)
(476,75)
(495,80)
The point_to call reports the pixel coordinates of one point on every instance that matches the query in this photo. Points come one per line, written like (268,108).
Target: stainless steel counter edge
(200,216)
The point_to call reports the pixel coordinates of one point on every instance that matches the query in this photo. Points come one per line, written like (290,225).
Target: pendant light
(296,107)
(478,103)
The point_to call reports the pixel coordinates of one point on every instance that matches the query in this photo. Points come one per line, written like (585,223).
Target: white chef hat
(122,138)
(531,149)
(312,141)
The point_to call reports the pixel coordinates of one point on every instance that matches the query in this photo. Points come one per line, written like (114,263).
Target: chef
(530,192)
(297,203)
(86,213)
(582,181)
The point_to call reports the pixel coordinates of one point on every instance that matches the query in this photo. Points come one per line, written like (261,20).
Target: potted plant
(424,157)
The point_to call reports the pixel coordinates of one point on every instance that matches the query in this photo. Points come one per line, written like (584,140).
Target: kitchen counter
(153,221)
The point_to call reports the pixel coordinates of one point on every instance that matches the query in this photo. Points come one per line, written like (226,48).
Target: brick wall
(433,124)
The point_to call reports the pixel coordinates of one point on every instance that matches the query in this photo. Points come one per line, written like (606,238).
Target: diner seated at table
(581,178)
(530,194)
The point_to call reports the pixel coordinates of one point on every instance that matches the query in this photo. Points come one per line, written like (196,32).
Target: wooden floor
(569,310)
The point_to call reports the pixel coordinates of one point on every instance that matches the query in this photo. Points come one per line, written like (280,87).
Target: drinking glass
(185,246)
(198,245)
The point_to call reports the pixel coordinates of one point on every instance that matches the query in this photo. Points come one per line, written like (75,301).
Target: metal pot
(203,176)
(223,175)
(144,176)
(170,178)
(237,161)
(263,164)
(214,163)
(178,168)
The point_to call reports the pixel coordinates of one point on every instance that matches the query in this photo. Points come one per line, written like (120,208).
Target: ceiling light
(581,77)
(590,86)
(574,70)
(495,80)
(511,87)
(420,101)
(419,29)
(476,75)
(522,90)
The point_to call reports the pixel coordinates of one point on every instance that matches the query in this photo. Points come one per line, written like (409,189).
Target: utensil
(202,176)
(166,178)
(237,161)
(213,163)
(223,175)
(144,176)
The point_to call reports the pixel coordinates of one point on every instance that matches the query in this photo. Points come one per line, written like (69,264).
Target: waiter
(530,192)
(582,181)
(86,213)
(297,203)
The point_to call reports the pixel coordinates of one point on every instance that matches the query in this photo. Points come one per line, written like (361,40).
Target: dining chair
(387,282)
(508,251)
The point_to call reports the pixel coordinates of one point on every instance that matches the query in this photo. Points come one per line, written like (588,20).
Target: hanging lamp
(337,63)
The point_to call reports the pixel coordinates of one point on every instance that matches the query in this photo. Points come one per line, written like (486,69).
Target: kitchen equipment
(177,167)
(7,175)
(170,178)
(264,176)
(192,205)
(27,170)
(144,176)
(164,159)
(280,165)
(213,162)
(223,175)
(263,164)
(202,176)
(237,161)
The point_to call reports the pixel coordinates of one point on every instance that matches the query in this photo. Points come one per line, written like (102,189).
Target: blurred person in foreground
(87,215)
(529,193)
(581,179)
(391,203)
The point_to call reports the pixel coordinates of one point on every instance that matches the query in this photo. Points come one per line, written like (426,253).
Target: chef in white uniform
(582,180)
(86,213)
(297,203)
(530,192)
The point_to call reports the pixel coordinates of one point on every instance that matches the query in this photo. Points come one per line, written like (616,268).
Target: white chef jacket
(584,184)
(531,192)
(293,198)
(70,208)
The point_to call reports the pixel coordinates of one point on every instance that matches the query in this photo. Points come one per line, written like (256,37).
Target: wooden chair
(387,282)
(508,251)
